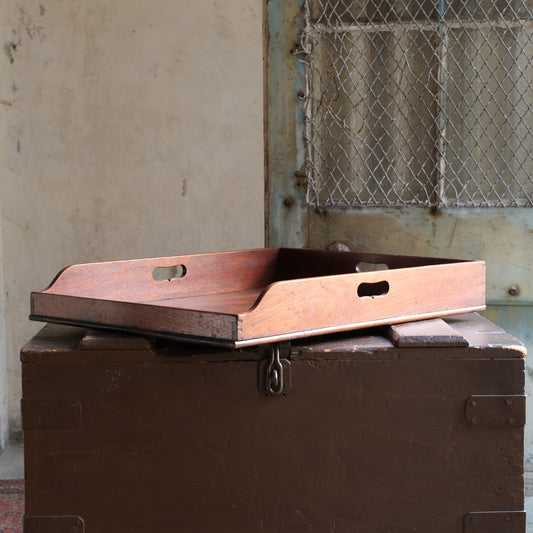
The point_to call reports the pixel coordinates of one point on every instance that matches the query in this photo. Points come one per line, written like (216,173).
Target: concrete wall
(4,413)
(129,129)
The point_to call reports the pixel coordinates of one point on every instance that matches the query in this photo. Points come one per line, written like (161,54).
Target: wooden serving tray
(259,296)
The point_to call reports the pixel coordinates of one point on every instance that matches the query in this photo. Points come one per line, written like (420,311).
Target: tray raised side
(257,296)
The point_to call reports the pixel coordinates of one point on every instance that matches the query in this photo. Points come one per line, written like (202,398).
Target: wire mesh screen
(418,102)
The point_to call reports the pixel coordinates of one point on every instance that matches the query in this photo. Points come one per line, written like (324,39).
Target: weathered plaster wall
(4,412)
(129,129)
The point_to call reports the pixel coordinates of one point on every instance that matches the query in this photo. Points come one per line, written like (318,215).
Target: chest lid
(465,336)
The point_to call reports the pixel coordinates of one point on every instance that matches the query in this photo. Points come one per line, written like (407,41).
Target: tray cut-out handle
(169,273)
(368,266)
(371,290)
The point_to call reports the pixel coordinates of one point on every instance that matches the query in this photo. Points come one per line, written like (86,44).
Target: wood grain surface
(258,296)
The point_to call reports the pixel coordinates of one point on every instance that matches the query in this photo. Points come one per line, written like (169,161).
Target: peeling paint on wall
(9,50)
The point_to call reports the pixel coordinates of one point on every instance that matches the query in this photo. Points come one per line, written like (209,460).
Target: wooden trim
(131,316)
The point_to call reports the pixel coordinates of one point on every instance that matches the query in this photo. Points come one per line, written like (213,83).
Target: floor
(529,501)
(12,462)
(12,489)
(11,494)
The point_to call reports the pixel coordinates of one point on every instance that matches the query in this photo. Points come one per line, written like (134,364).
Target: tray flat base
(232,303)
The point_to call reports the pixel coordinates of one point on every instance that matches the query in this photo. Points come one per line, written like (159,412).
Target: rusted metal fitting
(288,202)
(301,178)
(295,48)
(514,290)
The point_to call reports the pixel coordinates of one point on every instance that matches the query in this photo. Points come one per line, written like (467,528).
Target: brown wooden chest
(412,428)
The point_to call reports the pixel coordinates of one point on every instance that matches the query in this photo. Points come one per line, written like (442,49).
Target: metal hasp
(493,410)
(53,524)
(495,522)
(275,371)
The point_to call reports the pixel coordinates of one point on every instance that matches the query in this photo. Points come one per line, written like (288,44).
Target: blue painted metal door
(406,127)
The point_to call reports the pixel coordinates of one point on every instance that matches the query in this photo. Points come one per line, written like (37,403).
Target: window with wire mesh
(418,102)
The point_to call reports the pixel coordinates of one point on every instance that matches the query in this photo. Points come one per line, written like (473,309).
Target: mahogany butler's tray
(257,296)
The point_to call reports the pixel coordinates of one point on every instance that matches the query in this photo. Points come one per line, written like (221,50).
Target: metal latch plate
(493,410)
(53,524)
(51,413)
(495,522)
